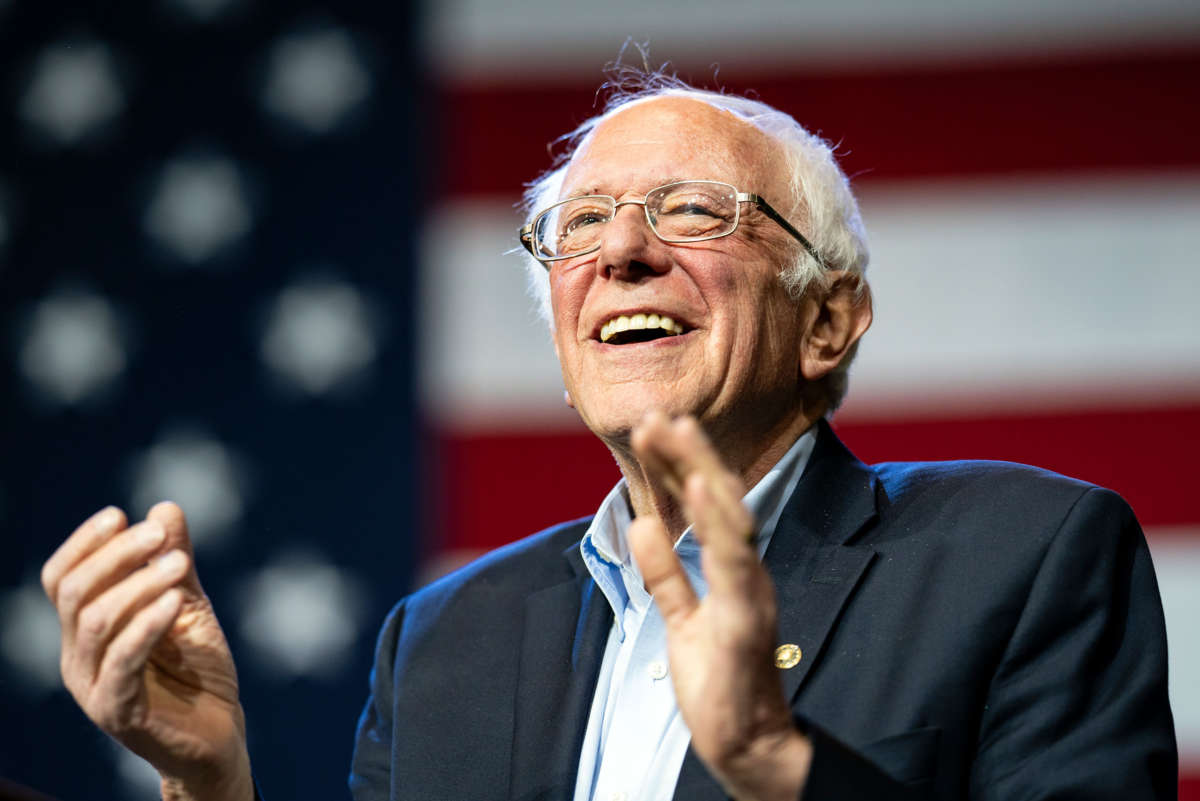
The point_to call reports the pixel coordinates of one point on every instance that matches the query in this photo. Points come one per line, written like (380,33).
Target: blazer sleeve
(1078,705)
(839,773)
(371,767)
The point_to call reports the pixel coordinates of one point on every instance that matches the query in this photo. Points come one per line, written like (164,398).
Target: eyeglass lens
(680,212)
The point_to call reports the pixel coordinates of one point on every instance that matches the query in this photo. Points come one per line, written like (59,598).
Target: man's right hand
(143,654)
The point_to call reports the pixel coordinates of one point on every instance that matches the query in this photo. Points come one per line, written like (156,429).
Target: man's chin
(614,420)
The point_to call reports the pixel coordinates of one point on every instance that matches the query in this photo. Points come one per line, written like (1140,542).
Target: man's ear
(839,316)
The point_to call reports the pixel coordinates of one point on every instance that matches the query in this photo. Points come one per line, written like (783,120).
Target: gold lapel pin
(787,656)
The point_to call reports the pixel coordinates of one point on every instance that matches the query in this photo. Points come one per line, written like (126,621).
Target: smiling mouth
(624,330)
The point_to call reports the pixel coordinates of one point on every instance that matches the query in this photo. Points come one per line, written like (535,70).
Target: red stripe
(1147,455)
(497,487)
(1088,112)
(1189,787)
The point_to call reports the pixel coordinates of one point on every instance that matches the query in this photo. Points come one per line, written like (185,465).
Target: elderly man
(752,612)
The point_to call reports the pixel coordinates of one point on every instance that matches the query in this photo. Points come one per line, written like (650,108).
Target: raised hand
(720,648)
(144,655)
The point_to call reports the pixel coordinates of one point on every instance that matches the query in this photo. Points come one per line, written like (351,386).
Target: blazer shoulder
(1004,501)
(516,569)
(969,480)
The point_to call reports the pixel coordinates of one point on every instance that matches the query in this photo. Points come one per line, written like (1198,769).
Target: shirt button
(619,795)
(657,670)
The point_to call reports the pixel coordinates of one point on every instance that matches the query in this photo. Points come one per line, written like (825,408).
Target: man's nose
(629,249)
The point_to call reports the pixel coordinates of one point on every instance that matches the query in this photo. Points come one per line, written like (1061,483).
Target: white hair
(820,199)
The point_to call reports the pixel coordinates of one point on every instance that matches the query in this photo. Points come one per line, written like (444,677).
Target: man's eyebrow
(592,190)
(675,180)
(597,189)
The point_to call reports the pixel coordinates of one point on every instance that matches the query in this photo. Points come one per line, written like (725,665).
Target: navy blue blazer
(968,630)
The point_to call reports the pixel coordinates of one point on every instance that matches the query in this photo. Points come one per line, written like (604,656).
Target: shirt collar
(605,549)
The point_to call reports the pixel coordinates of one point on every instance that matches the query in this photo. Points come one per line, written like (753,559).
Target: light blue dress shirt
(636,739)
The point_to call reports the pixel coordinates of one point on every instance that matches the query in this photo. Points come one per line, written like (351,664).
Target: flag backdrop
(254,257)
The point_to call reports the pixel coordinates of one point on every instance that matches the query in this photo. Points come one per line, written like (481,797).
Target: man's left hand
(721,648)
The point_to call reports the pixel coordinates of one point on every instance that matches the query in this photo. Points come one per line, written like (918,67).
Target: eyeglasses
(684,211)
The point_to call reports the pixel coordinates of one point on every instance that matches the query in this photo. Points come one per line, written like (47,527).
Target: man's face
(736,364)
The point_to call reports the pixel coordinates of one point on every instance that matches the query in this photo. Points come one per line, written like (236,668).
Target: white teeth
(638,321)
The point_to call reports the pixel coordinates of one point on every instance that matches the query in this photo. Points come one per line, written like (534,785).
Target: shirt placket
(644,695)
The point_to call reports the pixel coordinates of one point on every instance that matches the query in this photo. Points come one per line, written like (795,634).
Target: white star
(73,347)
(29,637)
(314,79)
(199,207)
(197,472)
(73,91)
(201,10)
(319,334)
(302,615)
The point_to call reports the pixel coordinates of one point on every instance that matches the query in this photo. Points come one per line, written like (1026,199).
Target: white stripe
(485,353)
(993,294)
(1031,293)
(485,40)
(1176,554)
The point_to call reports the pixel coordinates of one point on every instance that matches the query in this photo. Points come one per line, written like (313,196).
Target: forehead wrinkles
(672,138)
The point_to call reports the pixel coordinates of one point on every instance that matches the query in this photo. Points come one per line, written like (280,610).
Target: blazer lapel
(565,630)
(814,567)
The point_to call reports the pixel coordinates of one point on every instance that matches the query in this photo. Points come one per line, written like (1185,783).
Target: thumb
(662,571)
(171,518)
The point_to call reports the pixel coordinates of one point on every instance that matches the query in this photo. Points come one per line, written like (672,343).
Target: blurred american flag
(254,257)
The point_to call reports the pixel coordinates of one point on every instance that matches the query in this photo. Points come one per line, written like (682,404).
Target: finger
(674,450)
(172,519)
(695,452)
(729,559)
(98,571)
(681,450)
(718,521)
(102,619)
(94,532)
(662,571)
(120,676)
(650,444)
